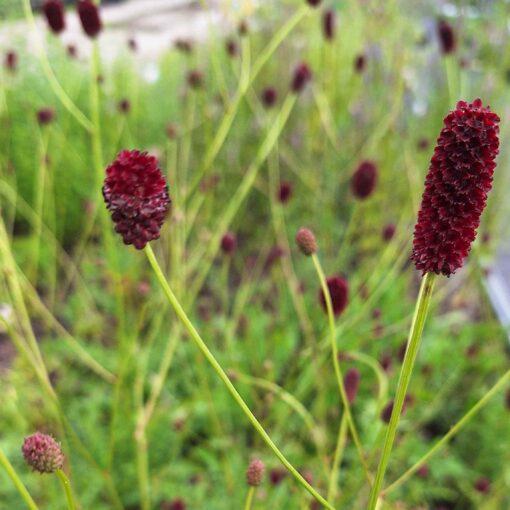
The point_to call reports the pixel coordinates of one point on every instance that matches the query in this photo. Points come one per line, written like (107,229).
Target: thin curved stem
(337,458)
(413,345)
(67,489)
(181,314)
(11,473)
(500,384)
(336,365)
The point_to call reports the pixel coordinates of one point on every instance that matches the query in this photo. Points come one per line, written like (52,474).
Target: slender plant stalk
(337,458)
(11,473)
(249,498)
(500,384)
(336,364)
(224,378)
(67,489)
(413,345)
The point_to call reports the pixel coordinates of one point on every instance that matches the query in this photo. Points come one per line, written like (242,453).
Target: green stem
(249,498)
(224,378)
(413,344)
(500,384)
(67,489)
(337,459)
(336,364)
(11,473)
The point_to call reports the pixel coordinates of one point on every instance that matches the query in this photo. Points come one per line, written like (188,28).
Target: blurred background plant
(90,352)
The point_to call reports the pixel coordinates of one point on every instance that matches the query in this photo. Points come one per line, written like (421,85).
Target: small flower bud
(228,243)
(285,192)
(328,24)
(306,241)
(255,473)
(269,97)
(42,453)
(447,38)
(302,75)
(45,116)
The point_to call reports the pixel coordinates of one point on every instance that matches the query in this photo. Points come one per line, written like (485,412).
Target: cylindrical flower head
(447,38)
(136,194)
(302,75)
(42,453)
(364,180)
(360,63)
(351,383)
(231,48)
(328,24)
(255,473)
(339,292)
(313,3)
(89,17)
(228,243)
(306,241)
(195,79)
(388,232)
(55,15)
(456,187)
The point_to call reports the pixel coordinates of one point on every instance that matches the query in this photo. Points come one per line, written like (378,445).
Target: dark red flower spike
(456,187)
(90,19)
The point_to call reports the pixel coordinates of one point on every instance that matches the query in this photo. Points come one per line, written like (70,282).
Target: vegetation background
(140,415)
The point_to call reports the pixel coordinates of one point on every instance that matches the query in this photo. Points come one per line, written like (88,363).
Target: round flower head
(483,485)
(364,180)
(351,383)
(136,194)
(285,192)
(302,75)
(446,35)
(269,97)
(45,116)
(55,15)
(277,475)
(42,453)
(255,472)
(228,243)
(339,292)
(313,3)
(328,24)
(456,187)
(89,17)
(306,241)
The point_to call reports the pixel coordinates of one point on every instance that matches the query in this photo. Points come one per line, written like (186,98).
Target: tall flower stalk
(456,187)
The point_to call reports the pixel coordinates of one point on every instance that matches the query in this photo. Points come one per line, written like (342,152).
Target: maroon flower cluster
(364,180)
(285,192)
(456,187)
(45,116)
(306,241)
(328,24)
(89,17)
(136,194)
(42,453)
(339,292)
(53,10)
(11,61)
